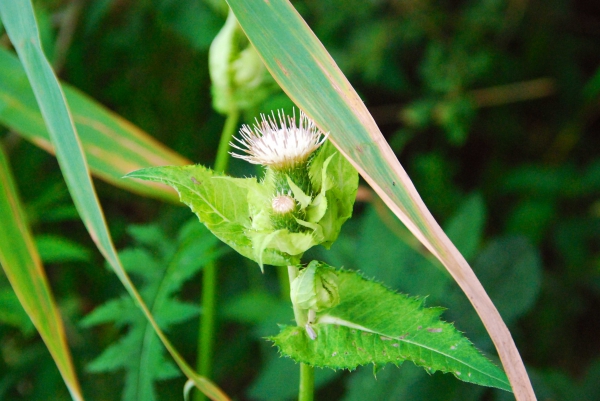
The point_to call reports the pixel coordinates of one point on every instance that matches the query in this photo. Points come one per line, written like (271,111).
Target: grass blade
(307,73)
(113,146)
(23,267)
(19,20)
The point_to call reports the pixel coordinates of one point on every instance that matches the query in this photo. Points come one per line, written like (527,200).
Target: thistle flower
(281,147)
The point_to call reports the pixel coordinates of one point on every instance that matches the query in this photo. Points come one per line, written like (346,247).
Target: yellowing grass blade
(19,20)
(21,263)
(308,74)
(113,146)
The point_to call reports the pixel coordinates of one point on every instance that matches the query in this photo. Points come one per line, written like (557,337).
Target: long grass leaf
(23,267)
(113,146)
(19,20)
(307,73)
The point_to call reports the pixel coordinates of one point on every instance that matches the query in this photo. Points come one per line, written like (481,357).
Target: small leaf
(372,324)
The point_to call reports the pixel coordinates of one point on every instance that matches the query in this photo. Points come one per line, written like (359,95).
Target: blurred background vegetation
(492,107)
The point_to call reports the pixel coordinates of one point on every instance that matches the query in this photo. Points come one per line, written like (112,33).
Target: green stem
(222,159)
(307,383)
(307,372)
(284,283)
(209,275)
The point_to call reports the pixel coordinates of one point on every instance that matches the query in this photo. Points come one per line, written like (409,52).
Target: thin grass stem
(206,336)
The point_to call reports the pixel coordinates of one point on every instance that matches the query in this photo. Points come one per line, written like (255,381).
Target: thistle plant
(343,319)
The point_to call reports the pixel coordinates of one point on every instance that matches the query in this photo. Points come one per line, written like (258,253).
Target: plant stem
(209,275)
(222,159)
(284,283)
(307,383)
(307,372)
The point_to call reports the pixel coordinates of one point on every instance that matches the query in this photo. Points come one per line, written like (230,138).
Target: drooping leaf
(163,265)
(219,202)
(375,325)
(21,263)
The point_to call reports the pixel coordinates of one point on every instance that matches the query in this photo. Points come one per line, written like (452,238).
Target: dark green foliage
(164,265)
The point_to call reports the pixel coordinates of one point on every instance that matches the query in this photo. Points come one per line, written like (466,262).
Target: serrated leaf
(221,204)
(373,324)
(163,265)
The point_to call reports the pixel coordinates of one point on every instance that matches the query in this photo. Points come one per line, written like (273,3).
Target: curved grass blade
(307,73)
(23,267)
(21,27)
(113,146)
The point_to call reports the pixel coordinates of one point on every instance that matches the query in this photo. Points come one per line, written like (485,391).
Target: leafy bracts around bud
(373,324)
(315,288)
(240,211)
(239,78)
(321,208)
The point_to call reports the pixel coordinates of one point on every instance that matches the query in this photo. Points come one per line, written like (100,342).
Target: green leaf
(163,265)
(221,203)
(372,324)
(24,270)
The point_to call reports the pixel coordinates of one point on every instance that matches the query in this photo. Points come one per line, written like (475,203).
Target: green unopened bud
(315,288)
(239,78)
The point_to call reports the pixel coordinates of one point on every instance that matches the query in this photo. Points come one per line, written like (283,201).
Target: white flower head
(280,146)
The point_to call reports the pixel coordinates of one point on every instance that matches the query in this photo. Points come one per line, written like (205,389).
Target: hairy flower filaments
(280,146)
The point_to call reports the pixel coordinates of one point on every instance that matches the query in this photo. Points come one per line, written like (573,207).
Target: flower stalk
(209,275)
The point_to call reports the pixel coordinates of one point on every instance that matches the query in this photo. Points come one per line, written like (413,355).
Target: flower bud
(239,78)
(283,204)
(315,288)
